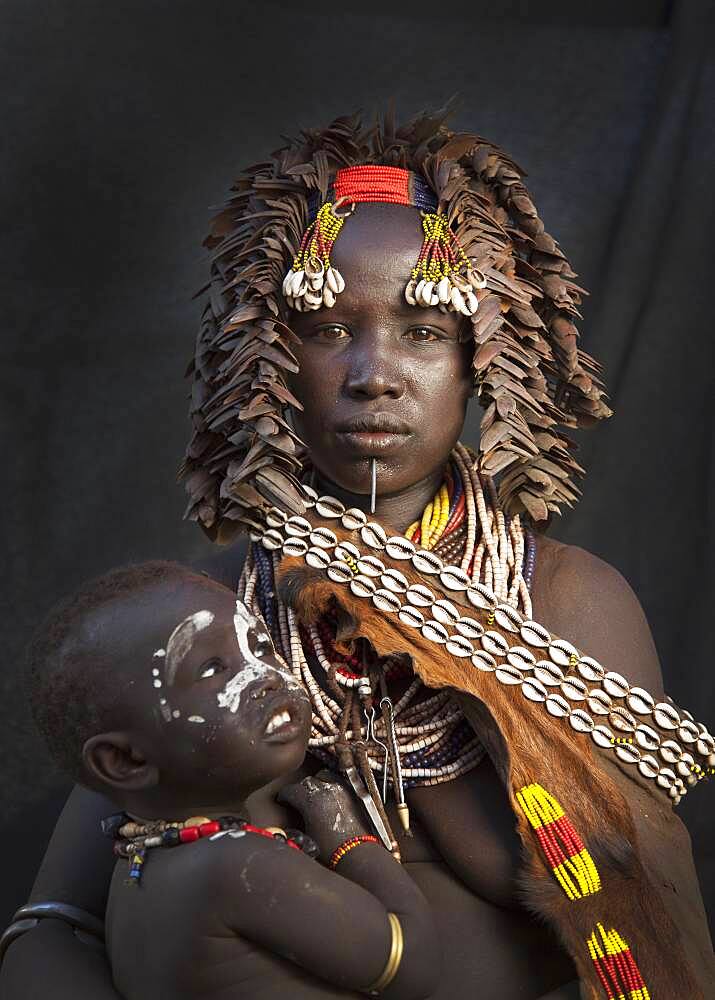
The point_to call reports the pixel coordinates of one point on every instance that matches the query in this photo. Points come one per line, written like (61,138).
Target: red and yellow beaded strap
(442,275)
(564,850)
(578,876)
(615,966)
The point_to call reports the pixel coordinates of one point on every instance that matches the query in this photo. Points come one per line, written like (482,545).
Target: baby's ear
(114,760)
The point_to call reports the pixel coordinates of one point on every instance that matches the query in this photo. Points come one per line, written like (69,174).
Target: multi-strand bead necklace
(411,737)
(660,741)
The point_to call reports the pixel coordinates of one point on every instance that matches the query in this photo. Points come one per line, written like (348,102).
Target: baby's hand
(330,811)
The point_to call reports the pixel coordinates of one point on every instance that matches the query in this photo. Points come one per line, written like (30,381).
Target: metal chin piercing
(373,489)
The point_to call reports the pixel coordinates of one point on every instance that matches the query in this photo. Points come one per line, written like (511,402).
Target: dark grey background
(120,124)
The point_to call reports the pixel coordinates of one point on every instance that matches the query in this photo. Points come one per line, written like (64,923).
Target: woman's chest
(465,824)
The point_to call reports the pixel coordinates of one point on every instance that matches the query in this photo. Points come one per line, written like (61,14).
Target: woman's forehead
(392,233)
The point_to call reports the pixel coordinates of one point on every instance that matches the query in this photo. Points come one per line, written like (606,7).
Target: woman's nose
(374,371)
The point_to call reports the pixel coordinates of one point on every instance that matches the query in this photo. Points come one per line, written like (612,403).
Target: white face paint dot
(157,683)
(160,652)
(196,718)
(176,713)
(162,701)
(155,671)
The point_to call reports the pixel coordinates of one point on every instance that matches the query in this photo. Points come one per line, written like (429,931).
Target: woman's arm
(51,960)
(334,927)
(52,963)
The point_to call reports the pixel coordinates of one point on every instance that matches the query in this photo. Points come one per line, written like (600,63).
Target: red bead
(188,835)
(206,829)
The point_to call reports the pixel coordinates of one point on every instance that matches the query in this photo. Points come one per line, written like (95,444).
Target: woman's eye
(331,334)
(211,668)
(422,334)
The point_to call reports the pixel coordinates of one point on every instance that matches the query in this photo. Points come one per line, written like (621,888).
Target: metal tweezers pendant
(358,786)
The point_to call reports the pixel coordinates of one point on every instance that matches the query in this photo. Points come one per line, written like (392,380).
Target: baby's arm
(332,927)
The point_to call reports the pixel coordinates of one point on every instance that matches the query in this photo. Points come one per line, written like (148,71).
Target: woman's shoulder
(225,564)
(582,598)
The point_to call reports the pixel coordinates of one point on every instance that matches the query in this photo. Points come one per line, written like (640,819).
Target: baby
(155,686)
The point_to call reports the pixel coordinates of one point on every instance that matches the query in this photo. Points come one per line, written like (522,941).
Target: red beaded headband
(442,275)
(390,184)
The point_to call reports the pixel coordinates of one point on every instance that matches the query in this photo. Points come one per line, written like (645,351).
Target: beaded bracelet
(347,846)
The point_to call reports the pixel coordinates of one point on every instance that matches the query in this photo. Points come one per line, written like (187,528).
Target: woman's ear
(114,760)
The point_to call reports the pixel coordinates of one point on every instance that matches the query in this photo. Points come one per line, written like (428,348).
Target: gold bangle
(394,958)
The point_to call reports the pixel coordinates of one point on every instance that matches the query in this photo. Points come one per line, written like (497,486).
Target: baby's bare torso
(167,937)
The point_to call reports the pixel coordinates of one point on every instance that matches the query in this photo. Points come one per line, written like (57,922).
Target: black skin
(182,753)
(242,916)
(465,854)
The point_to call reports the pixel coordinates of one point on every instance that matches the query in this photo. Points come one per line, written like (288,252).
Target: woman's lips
(369,442)
(368,433)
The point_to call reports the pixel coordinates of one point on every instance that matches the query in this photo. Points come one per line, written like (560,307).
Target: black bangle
(29,916)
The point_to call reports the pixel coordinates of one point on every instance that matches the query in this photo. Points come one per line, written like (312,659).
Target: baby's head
(154,685)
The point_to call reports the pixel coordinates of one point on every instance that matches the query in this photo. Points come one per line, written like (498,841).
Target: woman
(352,355)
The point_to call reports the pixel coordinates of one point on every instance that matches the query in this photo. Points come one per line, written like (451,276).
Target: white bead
(666,716)
(353,518)
(385,600)
(411,616)
(419,596)
(548,673)
(507,618)
(534,690)
(457,645)
(557,706)
(469,627)
(435,631)
(534,634)
(373,534)
(295,547)
(482,597)
(581,721)
(426,562)
(615,685)
(317,558)
(494,643)
(272,540)
(324,538)
(639,701)
(508,674)
(590,670)
(329,507)
(561,652)
(398,547)
(484,661)
(454,578)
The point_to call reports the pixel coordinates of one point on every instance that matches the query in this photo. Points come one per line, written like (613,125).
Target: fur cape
(649,891)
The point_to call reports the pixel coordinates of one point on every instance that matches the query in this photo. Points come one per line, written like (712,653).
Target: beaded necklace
(418,738)
(133,839)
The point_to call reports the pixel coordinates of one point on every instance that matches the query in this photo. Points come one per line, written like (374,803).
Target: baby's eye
(211,668)
(262,645)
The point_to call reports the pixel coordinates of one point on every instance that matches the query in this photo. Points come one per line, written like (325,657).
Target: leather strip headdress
(531,377)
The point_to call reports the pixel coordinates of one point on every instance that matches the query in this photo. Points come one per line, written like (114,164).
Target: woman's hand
(330,811)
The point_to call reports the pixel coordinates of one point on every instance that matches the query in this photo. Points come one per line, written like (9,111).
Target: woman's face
(380,378)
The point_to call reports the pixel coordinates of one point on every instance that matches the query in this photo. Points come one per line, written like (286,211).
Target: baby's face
(222,709)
